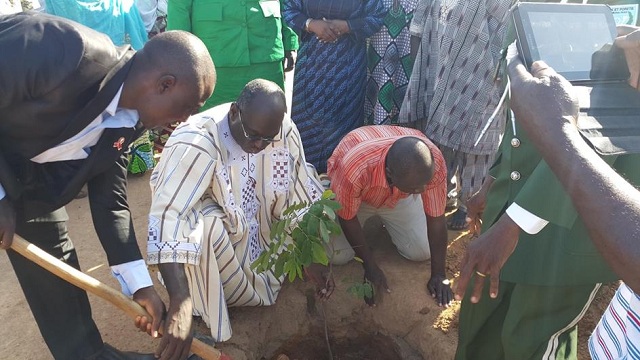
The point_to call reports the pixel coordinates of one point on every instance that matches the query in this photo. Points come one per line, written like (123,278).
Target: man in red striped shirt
(399,175)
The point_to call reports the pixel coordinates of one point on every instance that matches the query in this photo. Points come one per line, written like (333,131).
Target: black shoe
(108,352)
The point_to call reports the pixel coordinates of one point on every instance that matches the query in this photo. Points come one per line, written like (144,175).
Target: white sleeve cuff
(2,193)
(132,276)
(528,222)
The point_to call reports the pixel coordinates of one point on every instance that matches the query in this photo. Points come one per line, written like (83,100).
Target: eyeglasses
(255,137)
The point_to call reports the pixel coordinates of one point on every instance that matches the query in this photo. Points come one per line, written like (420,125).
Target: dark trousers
(62,311)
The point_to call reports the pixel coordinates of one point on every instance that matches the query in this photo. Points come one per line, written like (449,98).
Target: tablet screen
(567,42)
(576,40)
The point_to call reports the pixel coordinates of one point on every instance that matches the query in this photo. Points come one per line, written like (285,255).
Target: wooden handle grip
(89,284)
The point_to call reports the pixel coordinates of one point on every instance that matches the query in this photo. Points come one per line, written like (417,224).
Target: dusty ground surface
(416,326)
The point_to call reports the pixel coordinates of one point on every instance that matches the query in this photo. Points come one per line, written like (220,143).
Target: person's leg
(340,251)
(407,225)
(542,321)
(480,325)
(472,173)
(62,311)
(455,161)
(452,162)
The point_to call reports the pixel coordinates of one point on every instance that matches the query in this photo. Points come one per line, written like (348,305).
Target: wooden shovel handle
(89,284)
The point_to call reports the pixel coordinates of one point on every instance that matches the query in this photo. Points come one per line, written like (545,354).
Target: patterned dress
(329,83)
(617,335)
(212,209)
(141,155)
(389,64)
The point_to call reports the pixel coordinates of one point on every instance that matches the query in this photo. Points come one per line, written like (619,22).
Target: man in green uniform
(248,39)
(533,299)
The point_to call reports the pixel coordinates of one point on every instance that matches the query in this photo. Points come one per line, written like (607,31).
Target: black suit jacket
(56,77)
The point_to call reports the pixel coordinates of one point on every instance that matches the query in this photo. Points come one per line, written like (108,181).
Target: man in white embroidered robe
(225,176)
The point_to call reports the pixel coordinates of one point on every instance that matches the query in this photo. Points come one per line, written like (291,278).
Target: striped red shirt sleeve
(434,198)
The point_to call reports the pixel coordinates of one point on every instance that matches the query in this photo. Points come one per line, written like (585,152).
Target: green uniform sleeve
(179,15)
(544,196)
(289,37)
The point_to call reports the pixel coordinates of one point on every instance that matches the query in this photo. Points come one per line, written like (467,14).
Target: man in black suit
(70,104)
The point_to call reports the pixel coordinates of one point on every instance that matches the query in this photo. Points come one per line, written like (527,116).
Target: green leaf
(299,272)
(324,232)
(306,252)
(334,228)
(313,226)
(316,210)
(274,233)
(294,208)
(279,268)
(328,194)
(254,264)
(329,212)
(319,254)
(292,275)
(287,267)
(308,234)
(259,263)
(286,225)
(333,205)
(298,235)
(368,289)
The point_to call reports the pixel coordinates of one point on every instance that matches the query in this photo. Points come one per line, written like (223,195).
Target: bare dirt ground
(408,316)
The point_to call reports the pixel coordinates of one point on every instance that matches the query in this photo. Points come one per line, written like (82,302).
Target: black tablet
(571,38)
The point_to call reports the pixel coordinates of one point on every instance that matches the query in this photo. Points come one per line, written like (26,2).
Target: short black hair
(261,88)
(181,54)
(410,155)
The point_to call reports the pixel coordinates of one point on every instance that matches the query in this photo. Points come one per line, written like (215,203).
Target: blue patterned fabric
(329,83)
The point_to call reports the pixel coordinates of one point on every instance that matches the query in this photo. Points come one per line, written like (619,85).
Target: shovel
(89,284)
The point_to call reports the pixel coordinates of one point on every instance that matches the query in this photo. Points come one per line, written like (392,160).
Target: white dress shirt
(133,275)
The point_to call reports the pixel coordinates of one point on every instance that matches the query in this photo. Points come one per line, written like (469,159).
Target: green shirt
(236,32)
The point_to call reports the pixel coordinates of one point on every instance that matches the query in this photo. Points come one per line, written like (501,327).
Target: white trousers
(406,223)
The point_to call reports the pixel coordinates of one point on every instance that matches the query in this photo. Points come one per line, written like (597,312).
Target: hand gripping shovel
(87,283)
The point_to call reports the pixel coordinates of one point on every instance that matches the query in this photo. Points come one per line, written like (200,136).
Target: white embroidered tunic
(213,206)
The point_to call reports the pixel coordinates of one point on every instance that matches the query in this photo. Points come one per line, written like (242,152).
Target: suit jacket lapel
(107,90)
(112,145)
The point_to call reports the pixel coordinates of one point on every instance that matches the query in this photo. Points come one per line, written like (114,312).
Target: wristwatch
(306,24)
